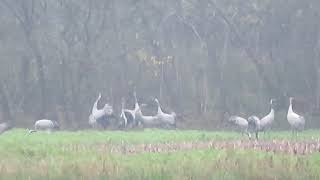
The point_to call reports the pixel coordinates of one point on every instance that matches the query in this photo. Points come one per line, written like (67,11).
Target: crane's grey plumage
(146,120)
(242,123)
(92,121)
(254,122)
(263,124)
(123,116)
(95,113)
(266,122)
(167,119)
(296,121)
(100,116)
(5,127)
(46,124)
(127,116)
(136,104)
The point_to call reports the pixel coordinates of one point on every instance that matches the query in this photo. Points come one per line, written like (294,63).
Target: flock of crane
(102,117)
(296,121)
(130,118)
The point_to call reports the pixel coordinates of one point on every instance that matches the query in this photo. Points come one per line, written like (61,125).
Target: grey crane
(146,120)
(241,122)
(254,123)
(167,119)
(266,122)
(5,127)
(45,125)
(127,116)
(263,124)
(123,116)
(138,115)
(100,116)
(296,121)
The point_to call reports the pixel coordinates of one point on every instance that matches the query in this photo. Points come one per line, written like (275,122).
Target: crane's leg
(247,133)
(257,135)
(140,124)
(125,123)
(294,133)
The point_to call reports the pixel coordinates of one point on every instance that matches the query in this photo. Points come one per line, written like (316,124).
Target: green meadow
(89,155)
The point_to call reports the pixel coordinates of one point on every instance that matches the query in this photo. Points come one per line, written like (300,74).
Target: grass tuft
(87,155)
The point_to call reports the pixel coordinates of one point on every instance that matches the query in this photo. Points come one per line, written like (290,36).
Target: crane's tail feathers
(232,118)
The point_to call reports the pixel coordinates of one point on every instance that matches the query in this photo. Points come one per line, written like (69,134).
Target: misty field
(158,154)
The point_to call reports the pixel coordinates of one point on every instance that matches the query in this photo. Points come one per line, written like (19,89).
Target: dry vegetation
(158,154)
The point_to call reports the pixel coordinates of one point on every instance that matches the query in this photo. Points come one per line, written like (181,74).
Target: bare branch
(247,49)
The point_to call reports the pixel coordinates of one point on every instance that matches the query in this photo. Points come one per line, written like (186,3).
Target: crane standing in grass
(100,116)
(127,116)
(242,123)
(166,119)
(267,121)
(262,124)
(147,120)
(296,121)
(140,118)
(254,122)
(45,125)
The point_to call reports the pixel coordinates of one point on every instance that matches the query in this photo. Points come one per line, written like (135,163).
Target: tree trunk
(5,104)
(24,73)
(64,70)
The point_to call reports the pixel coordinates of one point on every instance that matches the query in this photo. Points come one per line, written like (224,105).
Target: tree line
(202,59)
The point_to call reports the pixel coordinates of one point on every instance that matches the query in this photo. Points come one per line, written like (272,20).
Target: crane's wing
(233,118)
(103,121)
(302,120)
(108,109)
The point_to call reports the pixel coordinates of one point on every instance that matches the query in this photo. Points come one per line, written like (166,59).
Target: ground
(158,154)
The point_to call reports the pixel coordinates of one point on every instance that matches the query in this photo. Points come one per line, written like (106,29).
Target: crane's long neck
(137,109)
(95,105)
(122,106)
(290,107)
(159,108)
(272,112)
(136,105)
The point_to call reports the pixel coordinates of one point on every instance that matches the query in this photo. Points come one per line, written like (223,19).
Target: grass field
(152,154)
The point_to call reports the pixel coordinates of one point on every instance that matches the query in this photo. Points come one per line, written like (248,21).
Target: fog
(201,59)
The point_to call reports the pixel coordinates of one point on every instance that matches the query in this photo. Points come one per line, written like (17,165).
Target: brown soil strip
(298,147)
